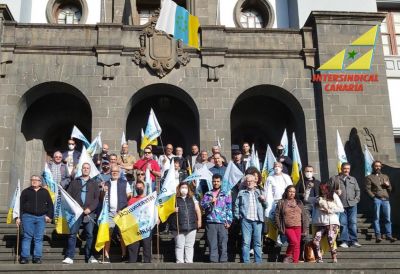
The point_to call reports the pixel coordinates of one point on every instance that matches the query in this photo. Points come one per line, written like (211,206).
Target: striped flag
(296,167)
(103,234)
(13,210)
(178,22)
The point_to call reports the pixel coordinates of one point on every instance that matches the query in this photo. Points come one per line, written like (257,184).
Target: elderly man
(59,170)
(71,156)
(36,209)
(203,161)
(119,192)
(85,191)
(126,161)
(249,209)
(217,150)
(346,187)
(379,188)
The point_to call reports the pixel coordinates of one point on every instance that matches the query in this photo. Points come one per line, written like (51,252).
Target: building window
(251,19)
(66,11)
(390,33)
(146,9)
(253,14)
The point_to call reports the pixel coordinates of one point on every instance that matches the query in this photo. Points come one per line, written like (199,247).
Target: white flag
(76,133)
(85,158)
(285,143)
(254,161)
(341,154)
(232,176)
(369,159)
(95,146)
(123,138)
(153,130)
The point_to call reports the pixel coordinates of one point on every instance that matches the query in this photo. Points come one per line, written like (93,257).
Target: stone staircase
(370,256)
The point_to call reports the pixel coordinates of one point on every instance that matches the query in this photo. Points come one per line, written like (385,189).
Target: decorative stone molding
(158,51)
(213,60)
(8,45)
(110,60)
(53,6)
(308,50)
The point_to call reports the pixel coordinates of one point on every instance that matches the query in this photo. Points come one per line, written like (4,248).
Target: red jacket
(142,165)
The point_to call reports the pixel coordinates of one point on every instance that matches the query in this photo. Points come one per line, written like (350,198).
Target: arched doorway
(261,114)
(47,113)
(176,112)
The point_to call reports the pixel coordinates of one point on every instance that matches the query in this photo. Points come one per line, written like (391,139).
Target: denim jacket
(221,212)
(242,204)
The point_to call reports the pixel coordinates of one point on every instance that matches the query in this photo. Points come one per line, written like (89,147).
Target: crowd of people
(302,214)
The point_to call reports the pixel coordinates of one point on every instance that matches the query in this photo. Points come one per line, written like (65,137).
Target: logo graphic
(349,68)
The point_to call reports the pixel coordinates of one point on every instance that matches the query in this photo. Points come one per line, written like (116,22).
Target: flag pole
(17,253)
(176,213)
(162,145)
(302,180)
(158,242)
(104,253)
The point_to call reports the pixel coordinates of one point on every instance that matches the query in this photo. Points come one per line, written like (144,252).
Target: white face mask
(308,174)
(277,170)
(184,191)
(71,147)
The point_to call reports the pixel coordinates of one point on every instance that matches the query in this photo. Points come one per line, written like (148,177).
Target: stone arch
(45,117)
(176,112)
(261,113)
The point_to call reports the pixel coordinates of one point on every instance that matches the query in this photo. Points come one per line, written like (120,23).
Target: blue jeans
(88,228)
(251,230)
(378,203)
(348,225)
(33,227)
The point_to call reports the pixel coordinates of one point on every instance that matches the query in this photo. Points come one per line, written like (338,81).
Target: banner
(103,234)
(137,220)
(66,212)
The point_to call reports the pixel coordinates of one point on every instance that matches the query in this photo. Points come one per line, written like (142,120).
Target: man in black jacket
(85,191)
(36,208)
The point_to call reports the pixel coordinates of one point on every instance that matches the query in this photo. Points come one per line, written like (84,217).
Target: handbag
(309,252)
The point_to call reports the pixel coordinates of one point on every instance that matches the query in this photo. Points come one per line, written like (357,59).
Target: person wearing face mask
(285,160)
(133,249)
(184,223)
(346,187)
(378,187)
(71,156)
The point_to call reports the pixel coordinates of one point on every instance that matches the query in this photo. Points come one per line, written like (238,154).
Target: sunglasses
(140,174)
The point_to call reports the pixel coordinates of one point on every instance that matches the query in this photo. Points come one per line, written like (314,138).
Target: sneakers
(378,239)
(355,244)
(23,261)
(36,261)
(92,260)
(344,245)
(68,261)
(319,261)
(251,252)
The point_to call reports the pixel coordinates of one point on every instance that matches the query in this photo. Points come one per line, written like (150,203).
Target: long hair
(285,194)
(178,193)
(325,190)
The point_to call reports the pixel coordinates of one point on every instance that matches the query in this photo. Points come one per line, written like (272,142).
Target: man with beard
(378,188)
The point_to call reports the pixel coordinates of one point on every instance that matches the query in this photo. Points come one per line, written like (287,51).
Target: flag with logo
(342,158)
(152,143)
(296,167)
(268,167)
(52,186)
(66,212)
(95,146)
(136,221)
(202,173)
(285,143)
(153,131)
(179,23)
(85,158)
(103,234)
(368,160)
(232,176)
(13,210)
(166,198)
(76,133)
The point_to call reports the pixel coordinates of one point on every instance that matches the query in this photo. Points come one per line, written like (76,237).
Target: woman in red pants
(292,220)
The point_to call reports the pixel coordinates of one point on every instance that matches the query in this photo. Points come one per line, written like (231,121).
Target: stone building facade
(242,85)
